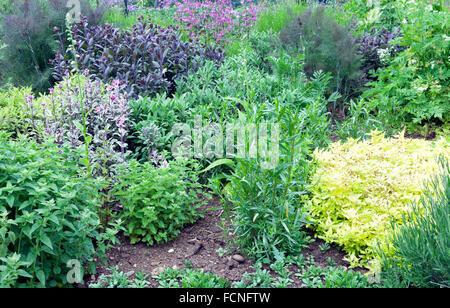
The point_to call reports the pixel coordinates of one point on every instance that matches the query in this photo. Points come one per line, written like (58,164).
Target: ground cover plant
(218,144)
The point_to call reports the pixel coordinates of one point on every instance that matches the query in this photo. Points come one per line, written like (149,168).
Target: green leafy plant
(260,278)
(13,117)
(414,88)
(313,276)
(49,214)
(190,278)
(338,277)
(268,213)
(359,121)
(158,202)
(281,268)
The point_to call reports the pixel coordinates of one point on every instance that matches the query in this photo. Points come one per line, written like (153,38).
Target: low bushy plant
(151,123)
(158,201)
(414,87)
(362,185)
(48,215)
(418,248)
(118,280)
(148,58)
(337,277)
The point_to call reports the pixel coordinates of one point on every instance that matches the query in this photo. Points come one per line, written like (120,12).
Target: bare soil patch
(199,244)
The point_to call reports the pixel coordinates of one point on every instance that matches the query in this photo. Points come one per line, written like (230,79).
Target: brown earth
(199,244)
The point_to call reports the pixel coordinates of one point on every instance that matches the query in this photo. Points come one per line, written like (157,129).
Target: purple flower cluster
(214,21)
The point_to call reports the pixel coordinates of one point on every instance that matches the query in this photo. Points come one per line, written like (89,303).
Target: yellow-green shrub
(12,109)
(361,185)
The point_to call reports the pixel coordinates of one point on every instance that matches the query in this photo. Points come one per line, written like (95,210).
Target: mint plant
(48,214)
(158,202)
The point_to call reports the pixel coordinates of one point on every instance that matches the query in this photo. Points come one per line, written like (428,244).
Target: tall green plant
(268,215)
(328,47)
(28,32)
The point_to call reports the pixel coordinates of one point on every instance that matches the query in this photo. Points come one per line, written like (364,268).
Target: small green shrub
(337,277)
(265,44)
(418,253)
(152,120)
(158,202)
(362,185)
(48,215)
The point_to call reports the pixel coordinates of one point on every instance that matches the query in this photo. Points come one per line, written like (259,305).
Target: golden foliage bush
(362,185)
